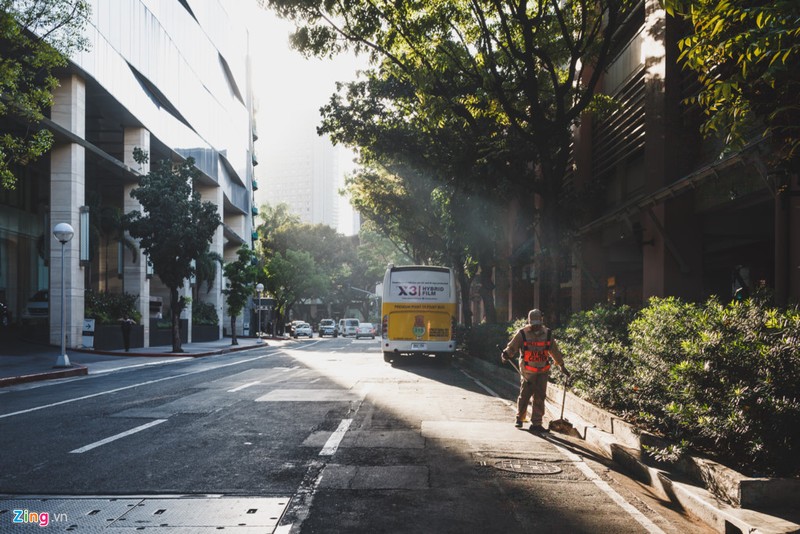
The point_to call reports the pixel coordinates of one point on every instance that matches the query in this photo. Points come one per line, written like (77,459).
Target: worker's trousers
(535,385)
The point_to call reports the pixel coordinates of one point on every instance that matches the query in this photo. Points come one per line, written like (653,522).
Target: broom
(561,425)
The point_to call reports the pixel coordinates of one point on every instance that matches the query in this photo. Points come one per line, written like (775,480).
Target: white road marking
(336,438)
(306,345)
(651,527)
(116,390)
(125,367)
(489,390)
(234,390)
(118,436)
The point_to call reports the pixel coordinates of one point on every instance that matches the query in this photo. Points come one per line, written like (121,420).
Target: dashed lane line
(124,388)
(336,438)
(117,436)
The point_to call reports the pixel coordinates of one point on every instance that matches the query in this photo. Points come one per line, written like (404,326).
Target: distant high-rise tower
(303,172)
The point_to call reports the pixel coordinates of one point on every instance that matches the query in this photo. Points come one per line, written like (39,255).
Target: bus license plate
(418,346)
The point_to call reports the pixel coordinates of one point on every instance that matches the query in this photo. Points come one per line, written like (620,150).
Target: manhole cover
(528,467)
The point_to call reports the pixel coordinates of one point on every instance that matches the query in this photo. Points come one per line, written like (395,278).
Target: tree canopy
(516,76)
(36,36)
(304,262)
(746,54)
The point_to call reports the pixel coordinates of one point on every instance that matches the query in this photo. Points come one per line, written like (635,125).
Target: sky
(289,91)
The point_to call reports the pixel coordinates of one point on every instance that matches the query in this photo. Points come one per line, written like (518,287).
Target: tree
(534,65)
(206,271)
(400,208)
(241,275)
(746,54)
(174,228)
(291,277)
(378,251)
(274,218)
(451,169)
(35,38)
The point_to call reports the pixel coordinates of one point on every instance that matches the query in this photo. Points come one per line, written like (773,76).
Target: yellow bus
(419,312)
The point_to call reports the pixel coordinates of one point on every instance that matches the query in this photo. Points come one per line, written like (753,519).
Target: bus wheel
(387,357)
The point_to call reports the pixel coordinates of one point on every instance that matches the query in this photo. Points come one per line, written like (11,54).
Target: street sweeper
(536,350)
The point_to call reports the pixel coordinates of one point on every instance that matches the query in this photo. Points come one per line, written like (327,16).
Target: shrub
(109,308)
(485,341)
(739,395)
(596,350)
(204,313)
(659,336)
(724,379)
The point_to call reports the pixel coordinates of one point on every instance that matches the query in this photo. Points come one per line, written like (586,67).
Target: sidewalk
(773,502)
(23,361)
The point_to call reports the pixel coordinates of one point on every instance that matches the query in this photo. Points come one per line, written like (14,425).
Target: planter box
(163,336)
(109,337)
(205,332)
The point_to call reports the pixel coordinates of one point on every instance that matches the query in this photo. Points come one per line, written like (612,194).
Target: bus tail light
(385,327)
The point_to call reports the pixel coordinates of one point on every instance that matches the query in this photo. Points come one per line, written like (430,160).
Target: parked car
(348,327)
(5,314)
(37,308)
(303,329)
(365,330)
(292,327)
(327,327)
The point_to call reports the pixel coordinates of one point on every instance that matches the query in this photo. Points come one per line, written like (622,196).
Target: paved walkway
(24,361)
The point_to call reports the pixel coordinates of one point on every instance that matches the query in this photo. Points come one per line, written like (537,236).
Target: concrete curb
(232,348)
(622,442)
(74,370)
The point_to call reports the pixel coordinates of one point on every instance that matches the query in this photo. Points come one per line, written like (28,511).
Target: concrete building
(303,171)
(678,217)
(171,78)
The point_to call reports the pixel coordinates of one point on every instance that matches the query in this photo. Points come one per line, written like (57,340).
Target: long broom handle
(564,396)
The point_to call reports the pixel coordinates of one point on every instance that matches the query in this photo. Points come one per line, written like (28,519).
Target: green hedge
(721,379)
(485,341)
(204,313)
(109,308)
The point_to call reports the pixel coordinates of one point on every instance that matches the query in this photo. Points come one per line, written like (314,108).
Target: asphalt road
(316,436)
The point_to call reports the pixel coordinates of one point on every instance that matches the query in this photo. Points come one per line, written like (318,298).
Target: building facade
(170,78)
(677,215)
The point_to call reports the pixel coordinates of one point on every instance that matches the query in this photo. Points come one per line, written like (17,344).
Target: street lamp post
(63,232)
(259,289)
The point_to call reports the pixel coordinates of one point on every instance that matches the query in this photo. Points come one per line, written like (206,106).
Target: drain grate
(528,467)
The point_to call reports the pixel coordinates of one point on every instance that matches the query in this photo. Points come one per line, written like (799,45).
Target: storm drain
(527,467)
(187,514)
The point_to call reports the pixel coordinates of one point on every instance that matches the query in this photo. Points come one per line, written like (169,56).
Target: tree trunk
(465,284)
(487,287)
(234,341)
(552,232)
(175,313)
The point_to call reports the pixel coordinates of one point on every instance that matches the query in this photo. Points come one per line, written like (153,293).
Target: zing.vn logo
(39,518)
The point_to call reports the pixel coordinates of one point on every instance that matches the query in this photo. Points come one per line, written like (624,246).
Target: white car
(365,330)
(348,327)
(303,329)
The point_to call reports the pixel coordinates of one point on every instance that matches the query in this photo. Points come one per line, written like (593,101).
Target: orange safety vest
(536,354)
